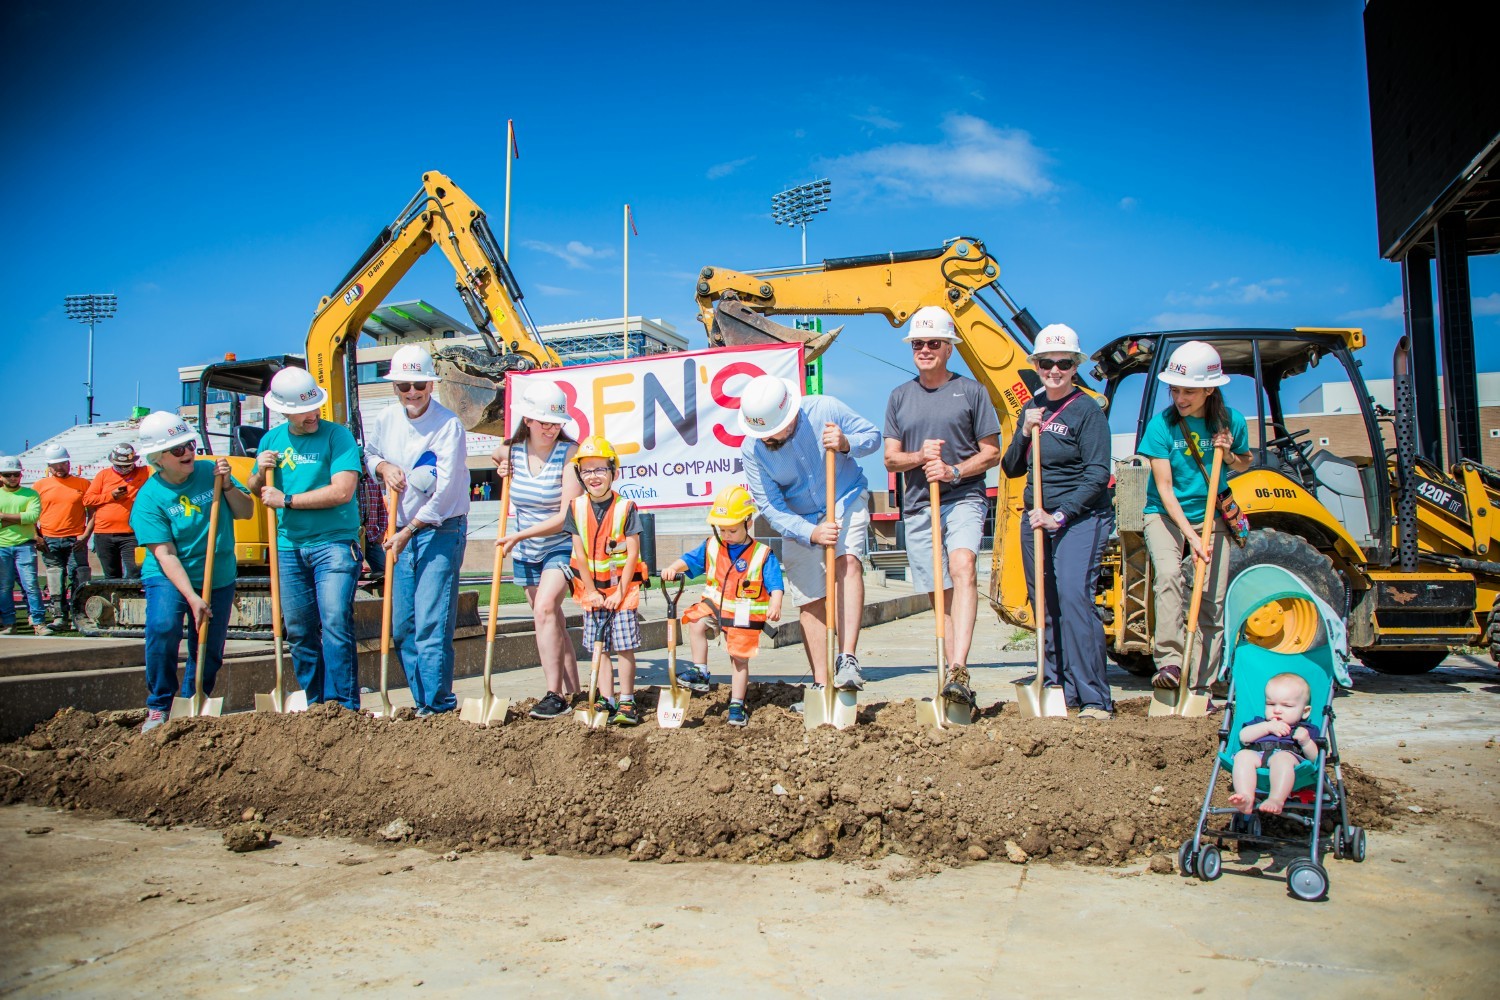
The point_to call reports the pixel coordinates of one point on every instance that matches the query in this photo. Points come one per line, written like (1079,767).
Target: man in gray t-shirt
(942,428)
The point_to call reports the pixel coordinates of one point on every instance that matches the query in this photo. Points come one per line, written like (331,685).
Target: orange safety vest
(604,550)
(748,586)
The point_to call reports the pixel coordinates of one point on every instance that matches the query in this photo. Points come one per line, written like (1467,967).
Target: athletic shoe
(550,707)
(737,714)
(957,688)
(625,713)
(154,718)
(603,704)
(1098,714)
(694,679)
(423,713)
(42,628)
(846,676)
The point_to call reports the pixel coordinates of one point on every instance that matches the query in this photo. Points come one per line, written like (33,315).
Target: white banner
(674,418)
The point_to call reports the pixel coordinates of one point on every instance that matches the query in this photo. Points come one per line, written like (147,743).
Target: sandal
(1168,678)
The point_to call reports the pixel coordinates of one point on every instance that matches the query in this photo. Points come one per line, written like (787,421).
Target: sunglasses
(7,475)
(1047,364)
(412,386)
(183,449)
(927,345)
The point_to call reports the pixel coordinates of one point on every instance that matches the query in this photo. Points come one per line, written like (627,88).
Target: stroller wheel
(1340,843)
(1185,866)
(1248,826)
(1307,880)
(1209,863)
(1354,847)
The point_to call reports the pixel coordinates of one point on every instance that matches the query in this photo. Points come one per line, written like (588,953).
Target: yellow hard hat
(732,505)
(597,447)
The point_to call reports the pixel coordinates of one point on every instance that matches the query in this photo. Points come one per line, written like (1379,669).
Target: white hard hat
(10,463)
(1195,365)
(56,453)
(162,430)
(544,401)
(293,390)
(1056,338)
(767,405)
(931,323)
(412,363)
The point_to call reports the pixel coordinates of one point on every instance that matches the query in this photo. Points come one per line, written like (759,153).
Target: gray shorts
(963,527)
(802,565)
(624,631)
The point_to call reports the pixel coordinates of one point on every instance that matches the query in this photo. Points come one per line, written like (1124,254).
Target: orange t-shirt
(62,506)
(111,516)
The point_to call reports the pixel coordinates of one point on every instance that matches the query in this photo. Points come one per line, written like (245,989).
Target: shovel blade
(931,713)
(1193,705)
(671,707)
(295,702)
(591,718)
(1031,699)
(474,710)
(1163,702)
(845,709)
(269,702)
(815,711)
(184,708)
(958,713)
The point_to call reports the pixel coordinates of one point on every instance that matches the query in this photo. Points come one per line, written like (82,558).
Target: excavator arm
(441,215)
(733,307)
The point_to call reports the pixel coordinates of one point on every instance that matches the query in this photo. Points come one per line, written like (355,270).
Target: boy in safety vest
(743,592)
(606,530)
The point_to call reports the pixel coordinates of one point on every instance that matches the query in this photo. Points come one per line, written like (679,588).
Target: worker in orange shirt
(110,496)
(63,532)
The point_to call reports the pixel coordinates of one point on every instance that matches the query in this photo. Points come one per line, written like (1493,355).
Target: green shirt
(28,504)
(308,462)
(179,514)
(1164,439)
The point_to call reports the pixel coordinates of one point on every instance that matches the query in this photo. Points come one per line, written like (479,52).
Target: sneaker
(42,628)
(625,713)
(550,707)
(695,679)
(957,688)
(423,713)
(603,704)
(846,675)
(1098,714)
(154,718)
(737,714)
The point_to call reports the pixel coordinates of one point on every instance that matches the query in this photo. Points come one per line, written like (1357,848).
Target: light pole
(90,309)
(794,206)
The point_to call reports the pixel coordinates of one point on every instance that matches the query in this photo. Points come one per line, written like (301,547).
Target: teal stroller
(1273,624)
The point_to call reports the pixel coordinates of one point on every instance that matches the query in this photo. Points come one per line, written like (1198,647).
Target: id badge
(742,613)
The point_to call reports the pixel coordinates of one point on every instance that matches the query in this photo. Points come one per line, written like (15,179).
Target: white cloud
(1234,291)
(1185,321)
(1391,310)
(877,121)
(725,169)
(554,290)
(575,254)
(1487,306)
(1128,203)
(974,163)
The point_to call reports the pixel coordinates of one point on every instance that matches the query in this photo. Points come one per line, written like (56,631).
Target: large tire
(1494,631)
(1401,662)
(1292,553)
(1138,664)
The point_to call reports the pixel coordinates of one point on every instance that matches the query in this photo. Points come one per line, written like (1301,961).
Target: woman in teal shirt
(1179,441)
(170,520)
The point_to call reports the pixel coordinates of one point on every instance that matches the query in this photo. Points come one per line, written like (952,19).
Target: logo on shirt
(290,459)
(188,507)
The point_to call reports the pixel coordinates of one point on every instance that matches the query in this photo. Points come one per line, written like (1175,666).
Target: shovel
(1033,697)
(387,589)
(276,701)
(829,707)
(589,715)
(932,713)
(1185,701)
(490,710)
(672,704)
(185,708)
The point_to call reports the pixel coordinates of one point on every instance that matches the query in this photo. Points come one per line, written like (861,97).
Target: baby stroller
(1273,624)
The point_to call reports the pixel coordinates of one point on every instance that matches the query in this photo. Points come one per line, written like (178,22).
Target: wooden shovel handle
(1038,574)
(499,561)
(208,566)
(391,499)
(1206,537)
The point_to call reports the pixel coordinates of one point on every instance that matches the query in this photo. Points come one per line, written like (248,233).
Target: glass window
(372,371)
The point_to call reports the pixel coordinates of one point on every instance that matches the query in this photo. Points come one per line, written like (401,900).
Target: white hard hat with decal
(294,390)
(1195,365)
(767,405)
(931,323)
(162,430)
(412,363)
(544,401)
(1056,338)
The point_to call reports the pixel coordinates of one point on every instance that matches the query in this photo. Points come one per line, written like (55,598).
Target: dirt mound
(1091,792)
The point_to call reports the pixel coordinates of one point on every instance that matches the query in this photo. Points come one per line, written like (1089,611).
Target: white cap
(1195,365)
(423,479)
(1056,338)
(767,405)
(412,363)
(10,463)
(162,430)
(56,453)
(931,323)
(544,401)
(293,390)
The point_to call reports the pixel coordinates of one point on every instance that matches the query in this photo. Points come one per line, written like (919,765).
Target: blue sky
(219,167)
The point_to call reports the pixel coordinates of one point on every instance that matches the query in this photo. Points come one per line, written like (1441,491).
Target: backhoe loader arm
(439,214)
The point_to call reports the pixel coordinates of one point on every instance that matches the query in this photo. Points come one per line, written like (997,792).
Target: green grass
(509,593)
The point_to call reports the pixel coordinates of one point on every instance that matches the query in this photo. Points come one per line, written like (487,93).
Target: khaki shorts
(802,565)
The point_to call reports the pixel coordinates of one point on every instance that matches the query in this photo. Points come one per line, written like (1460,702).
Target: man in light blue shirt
(783,454)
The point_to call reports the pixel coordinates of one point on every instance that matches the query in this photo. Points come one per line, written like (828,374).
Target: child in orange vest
(606,530)
(743,592)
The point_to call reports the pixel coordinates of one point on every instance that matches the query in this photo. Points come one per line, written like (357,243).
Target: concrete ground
(106,907)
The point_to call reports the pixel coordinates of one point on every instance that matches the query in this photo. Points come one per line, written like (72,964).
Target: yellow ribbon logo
(188,507)
(288,459)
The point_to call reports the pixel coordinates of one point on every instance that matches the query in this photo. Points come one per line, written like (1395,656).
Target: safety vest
(740,584)
(604,550)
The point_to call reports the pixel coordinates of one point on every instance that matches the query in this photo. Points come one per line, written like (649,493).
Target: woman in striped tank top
(535,458)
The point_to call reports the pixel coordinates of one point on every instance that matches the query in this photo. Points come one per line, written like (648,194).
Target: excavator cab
(238,379)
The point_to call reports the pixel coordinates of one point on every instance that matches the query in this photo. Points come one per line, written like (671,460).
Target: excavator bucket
(473,386)
(737,325)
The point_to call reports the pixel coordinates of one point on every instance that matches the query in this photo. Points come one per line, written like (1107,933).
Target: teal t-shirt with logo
(308,462)
(179,514)
(1165,439)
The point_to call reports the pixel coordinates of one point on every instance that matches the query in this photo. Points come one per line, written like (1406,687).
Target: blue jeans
(18,562)
(166,611)
(317,601)
(425,611)
(67,565)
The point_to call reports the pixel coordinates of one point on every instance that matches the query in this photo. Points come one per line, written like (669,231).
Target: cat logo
(353,294)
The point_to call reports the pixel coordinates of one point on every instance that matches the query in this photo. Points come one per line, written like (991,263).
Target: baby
(1276,741)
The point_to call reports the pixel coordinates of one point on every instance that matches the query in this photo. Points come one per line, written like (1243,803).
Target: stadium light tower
(90,309)
(795,206)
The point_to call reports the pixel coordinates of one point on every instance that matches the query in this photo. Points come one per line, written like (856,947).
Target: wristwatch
(1060,518)
(955,477)
(286,500)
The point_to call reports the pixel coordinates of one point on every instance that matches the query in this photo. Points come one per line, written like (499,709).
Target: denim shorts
(528,572)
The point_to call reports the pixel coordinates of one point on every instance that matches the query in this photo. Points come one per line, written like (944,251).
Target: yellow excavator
(440,214)
(1402,546)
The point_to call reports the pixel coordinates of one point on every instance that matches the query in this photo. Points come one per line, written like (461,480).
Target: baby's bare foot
(1272,806)
(1244,803)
